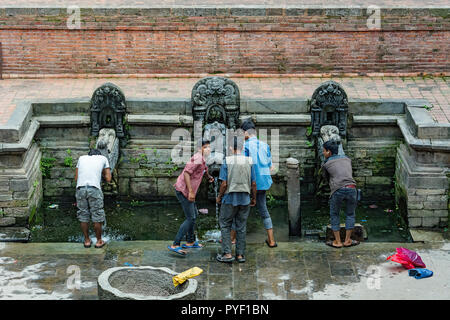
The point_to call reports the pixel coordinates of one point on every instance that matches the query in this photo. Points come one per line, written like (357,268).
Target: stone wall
(239,40)
(146,170)
(395,147)
(421,191)
(21,188)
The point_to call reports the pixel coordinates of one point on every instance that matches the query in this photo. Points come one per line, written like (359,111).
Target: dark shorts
(90,204)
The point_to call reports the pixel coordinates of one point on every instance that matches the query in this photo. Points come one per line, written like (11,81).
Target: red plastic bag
(407,258)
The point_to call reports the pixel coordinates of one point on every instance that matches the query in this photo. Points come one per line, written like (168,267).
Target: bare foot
(337,244)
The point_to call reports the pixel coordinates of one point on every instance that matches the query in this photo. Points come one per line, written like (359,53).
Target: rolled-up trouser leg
(262,209)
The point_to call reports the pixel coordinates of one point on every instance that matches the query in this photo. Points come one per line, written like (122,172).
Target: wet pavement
(294,270)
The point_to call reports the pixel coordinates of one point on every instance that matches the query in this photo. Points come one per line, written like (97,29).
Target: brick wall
(220,40)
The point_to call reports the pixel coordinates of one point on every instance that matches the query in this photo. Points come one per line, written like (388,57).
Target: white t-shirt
(90,170)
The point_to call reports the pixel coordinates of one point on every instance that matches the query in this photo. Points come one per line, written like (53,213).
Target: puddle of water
(149,221)
(20,285)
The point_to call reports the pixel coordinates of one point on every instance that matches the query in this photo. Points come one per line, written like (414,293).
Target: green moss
(46,165)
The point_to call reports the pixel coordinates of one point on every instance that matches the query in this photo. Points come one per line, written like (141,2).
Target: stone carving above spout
(108,108)
(216,99)
(329,106)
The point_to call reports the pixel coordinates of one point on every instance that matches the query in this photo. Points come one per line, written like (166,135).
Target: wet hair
(247,125)
(94,152)
(332,146)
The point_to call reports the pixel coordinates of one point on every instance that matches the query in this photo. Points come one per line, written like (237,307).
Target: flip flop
(330,243)
(354,243)
(88,246)
(195,245)
(221,258)
(274,246)
(177,250)
(98,247)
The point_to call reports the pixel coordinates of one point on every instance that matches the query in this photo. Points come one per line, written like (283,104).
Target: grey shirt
(339,171)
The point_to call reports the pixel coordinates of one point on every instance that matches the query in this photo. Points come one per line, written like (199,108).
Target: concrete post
(293,195)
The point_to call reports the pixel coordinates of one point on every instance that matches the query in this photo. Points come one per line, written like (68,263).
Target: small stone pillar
(293,195)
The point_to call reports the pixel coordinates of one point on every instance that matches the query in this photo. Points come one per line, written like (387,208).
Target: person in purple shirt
(186,189)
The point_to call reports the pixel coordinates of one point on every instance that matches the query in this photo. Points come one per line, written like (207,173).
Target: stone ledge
(159,119)
(423,125)
(63,121)
(376,119)
(422,144)
(14,234)
(17,124)
(25,142)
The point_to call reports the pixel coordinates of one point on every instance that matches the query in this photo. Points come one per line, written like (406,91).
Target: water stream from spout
(215,235)
(216,187)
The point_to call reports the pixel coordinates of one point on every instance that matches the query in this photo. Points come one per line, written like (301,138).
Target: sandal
(100,246)
(88,246)
(354,243)
(178,250)
(240,260)
(195,245)
(268,244)
(221,258)
(330,243)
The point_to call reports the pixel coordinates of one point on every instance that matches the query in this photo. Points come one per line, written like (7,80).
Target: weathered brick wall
(221,40)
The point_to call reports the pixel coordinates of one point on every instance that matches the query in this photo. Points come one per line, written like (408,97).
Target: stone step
(14,234)
(7,221)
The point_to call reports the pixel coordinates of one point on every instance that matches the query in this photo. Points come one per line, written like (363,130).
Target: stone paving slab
(293,271)
(436,90)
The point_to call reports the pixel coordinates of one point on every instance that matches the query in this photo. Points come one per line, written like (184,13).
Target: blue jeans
(336,200)
(187,227)
(262,210)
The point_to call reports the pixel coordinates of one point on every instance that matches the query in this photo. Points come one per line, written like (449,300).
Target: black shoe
(240,260)
(221,258)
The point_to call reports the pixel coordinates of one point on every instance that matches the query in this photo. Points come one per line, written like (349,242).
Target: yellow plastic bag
(182,277)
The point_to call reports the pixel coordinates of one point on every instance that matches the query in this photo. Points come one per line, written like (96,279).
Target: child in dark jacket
(343,187)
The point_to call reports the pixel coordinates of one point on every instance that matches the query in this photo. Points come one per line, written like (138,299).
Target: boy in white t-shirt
(89,195)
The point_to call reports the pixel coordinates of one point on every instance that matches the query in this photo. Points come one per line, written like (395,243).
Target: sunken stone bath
(143,283)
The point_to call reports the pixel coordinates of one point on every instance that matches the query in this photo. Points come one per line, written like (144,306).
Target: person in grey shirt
(236,195)
(343,188)
(89,195)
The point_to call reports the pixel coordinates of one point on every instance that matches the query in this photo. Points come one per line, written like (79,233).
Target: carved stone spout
(108,144)
(329,132)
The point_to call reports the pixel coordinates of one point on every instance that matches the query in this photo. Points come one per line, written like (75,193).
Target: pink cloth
(196,167)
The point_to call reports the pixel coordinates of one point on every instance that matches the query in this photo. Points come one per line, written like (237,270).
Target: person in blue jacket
(259,151)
